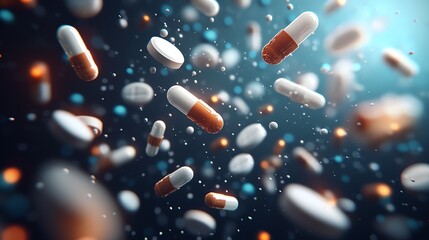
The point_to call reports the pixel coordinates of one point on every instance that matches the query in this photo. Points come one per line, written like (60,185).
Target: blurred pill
(333,5)
(165,145)
(254,90)
(190,130)
(269,182)
(241,164)
(311,211)
(129,200)
(137,93)
(307,160)
(210,8)
(95,124)
(243,3)
(84,8)
(251,136)
(155,138)
(341,81)
(254,38)
(221,201)
(395,227)
(299,94)
(199,223)
(165,53)
(273,125)
(346,205)
(40,82)
(415,178)
(116,158)
(309,80)
(79,56)
(230,58)
(240,105)
(400,62)
(345,39)
(189,14)
(173,181)
(219,144)
(204,55)
(289,39)
(376,191)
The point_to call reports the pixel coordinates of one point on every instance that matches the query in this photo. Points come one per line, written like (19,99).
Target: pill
(70,129)
(333,5)
(279,147)
(173,181)
(189,14)
(253,37)
(40,82)
(346,205)
(155,138)
(415,178)
(269,182)
(345,39)
(95,124)
(289,39)
(219,144)
(230,58)
(79,56)
(395,226)
(299,94)
(311,211)
(341,82)
(269,17)
(323,131)
(309,80)
(190,130)
(254,90)
(137,93)
(251,136)
(199,223)
(400,62)
(116,158)
(243,3)
(241,164)
(84,8)
(221,201)
(195,109)
(204,55)
(240,105)
(129,200)
(165,145)
(307,160)
(210,8)
(165,53)
(376,191)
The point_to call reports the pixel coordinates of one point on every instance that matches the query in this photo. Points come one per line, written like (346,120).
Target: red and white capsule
(195,109)
(155,138)
(78,54)
(173,181)
(221,201)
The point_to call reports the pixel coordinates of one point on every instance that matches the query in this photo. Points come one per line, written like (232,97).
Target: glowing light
(146,18)
(11,175)
(224,142)
(264,164)
(263,235)
(214,99)
(383,190)
(340,132)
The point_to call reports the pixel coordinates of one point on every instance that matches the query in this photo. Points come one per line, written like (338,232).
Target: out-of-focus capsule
(241,164)
(210,8)
(79,56)
(401,62)
(269,182)
(205,55)
(221,201)
(137,93)
(220,143)
(309,80)
(221,96)
(415,178)
(333,5)
(307,160)
(376,191)
(173,181)
(345,39)
(230,58)
(299,94)
(251,136)
(195,109)
(266,109)
(254,38)
(84,8)
(165,53)
(313,212)
(155,138)
(93,123)
(279,147)
(129,200)
(288,39)
(100,150)
(199,223)
(243,3)
(41,82)
(116,158)
(341,81)
(240,105)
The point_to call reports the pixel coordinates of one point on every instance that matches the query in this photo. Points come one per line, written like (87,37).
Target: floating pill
(84,8)
(415,178)
(230,58)
(312,211)
(309,80)
(241,164)
(189,14)
(254,90)
(240,105)
(155,138)
(341,81)
(269,182)
(345,39)
(346,205)
(129,200)
(210,8)
(299,94)
(221,201)
(70,129)
(165,53)
(163,33)
(254,38)
(401,62)
(395,226)
(376,191)
(165,145)
(333,5)
(219,144)
(307,160)
(289,39)
(173,181)
(199,223)
(93,123)
(79,56)
(243,3)
(195,109)
(40,82)
(205,55)
(269,17)
(251,136)
(137,93)
(116,158)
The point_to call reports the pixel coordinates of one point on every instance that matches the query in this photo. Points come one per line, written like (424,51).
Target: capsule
(95,124)
(254,37)
(345,39)
(307,160)
(173,181)
(299,94)
(155,138)
(116,158)
(288,39)
(79,56)
(195,109)
(400,62)
(41,82)
(221,201)
(333,5)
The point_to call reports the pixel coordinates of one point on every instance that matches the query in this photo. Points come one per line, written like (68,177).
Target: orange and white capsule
(195,109)
(79,56)
(155,138)
(221,201)
(173,181)
(289,39)
(254,37)
(400,62)
(41,82)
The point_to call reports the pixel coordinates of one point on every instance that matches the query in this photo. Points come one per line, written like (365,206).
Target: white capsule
(155,138)
(307,160)
(415,178)
(241,164)
(118,157)
(345,39)
(241,105)
(210,8)
(205,55)
(341,82)
(41,82)
(400,62)
(309,80)
(269,182)
(165,52)
(190,130)
(251,136)
(333,5)
(199,223)
(165,145)
(254,37)
(313,212)
(84,8)
(137,93)
(299,94)
(221,201)
(93,123)
(230,58)
(129,200)
(70,129)
(173,181)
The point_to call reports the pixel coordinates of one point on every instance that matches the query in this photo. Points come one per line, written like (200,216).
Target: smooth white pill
(416,178)
(204,55)
(299,94)
(129,200)
(251,136)
(137,93)
(199,223)
(165,52)
(241,164)
(307,160)
(210,8)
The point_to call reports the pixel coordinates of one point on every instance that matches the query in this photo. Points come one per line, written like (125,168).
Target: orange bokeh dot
(263,235)
(14,232)
(11,175)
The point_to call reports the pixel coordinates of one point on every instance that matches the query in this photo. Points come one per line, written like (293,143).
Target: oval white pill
(416,177)
(251,136)
(241,164)
(199,223)
(165,52)
(129,200)
(137,93)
